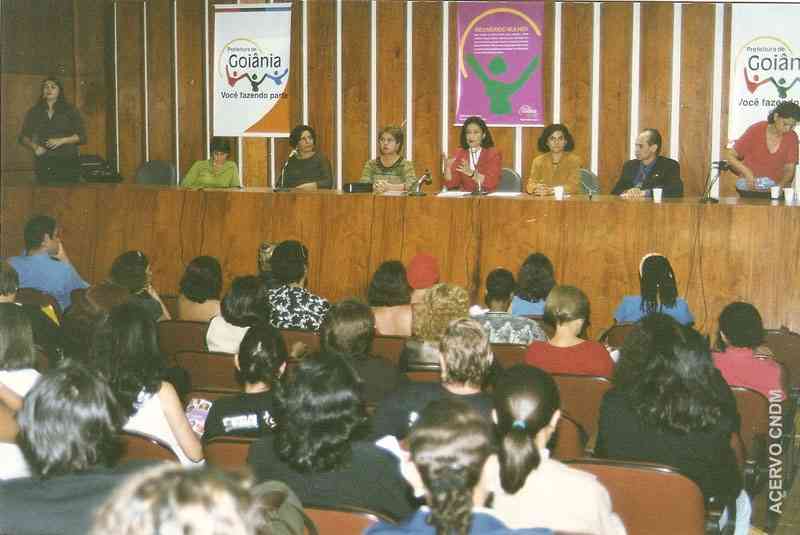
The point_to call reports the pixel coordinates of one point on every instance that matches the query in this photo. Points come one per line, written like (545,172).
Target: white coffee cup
(657,192)
(788,195)
(558,191)
(775,192)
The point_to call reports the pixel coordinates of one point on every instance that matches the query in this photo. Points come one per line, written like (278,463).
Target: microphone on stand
(416,188)
(281,187)
(720,166)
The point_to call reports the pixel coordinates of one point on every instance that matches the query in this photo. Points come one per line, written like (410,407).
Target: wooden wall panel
(130,87)
(38,34)
(530,136)
(697,70)
(391,62)
(615,91)
(282,147)
(191,100)
(160,80)
(356,139)
(727,185)
(322,76)
(92,57)
(576,76)
(15,209)
(427,92)
(655,69)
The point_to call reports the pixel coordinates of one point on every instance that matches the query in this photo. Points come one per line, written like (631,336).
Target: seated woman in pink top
(477,163)
(567,308)
(741,332)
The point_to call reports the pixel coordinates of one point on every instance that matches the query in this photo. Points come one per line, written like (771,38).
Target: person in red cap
(422,273)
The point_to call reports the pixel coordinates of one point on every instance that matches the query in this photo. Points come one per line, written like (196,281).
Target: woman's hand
(55,142)
(309,186)
(379,186)
(541,189)
(38,150)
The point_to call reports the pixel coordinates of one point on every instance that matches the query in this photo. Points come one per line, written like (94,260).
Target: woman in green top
(217,172)
(389,171)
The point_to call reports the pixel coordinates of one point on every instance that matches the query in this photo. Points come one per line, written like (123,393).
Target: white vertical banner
(252,57)
(765,62)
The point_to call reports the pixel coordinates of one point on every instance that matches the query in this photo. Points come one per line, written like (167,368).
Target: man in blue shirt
(45,264)
(649,170)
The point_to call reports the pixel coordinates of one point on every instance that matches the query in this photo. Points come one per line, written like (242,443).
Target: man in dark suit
(649,170)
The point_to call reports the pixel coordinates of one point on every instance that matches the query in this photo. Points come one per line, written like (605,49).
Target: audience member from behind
(69,429)
(347,332)
(389,295)
(452,459)
(169,499)
(45,264)
(46,332)
(216,172)
(669,405)
(526,405)
(17,373)
(132,271)
(466,362)
(260,362)
(659,293)
(422,273)
(316,448)
(568,309)
(291,305)
(200,289)
(136,373)
(502,326)
(243,306)
(741,332)
(535,279)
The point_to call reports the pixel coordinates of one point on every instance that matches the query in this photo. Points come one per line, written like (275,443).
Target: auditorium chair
(210,394)
(157,172)
(32,296)
(615,335)
(228,452)
(208,370)
(653,499)
(569,440)
(341,520)
(177,335)
(581,396)
(785,347)
(171,303)
(388,347)
(140,447)
(293,337)
(508,355)
(509,181)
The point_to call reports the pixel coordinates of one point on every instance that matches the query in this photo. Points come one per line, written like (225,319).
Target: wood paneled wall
(158,40)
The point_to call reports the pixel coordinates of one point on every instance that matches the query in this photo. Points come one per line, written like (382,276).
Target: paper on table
(505,194)
(455,193)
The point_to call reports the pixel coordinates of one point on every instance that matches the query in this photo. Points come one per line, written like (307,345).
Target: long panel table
(745,250)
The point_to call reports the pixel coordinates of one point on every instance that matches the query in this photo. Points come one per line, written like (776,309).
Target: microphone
(281,187)
(720,166)
(416,188)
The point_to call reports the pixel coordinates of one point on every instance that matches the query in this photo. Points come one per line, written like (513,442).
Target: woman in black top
(307,168)
(53,129)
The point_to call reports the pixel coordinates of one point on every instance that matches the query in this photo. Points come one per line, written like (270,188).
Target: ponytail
(450,499)
(518,456)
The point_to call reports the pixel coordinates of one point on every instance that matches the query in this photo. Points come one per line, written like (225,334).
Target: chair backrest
(157,172)
(388,347)
(228,452)
(785,346)
(292,337)
(210,394)
(753,410)
(615,335)
(590,183)
(140,447)
(32,296)
(208,370)
(178,335)
(171,302)
(509,180)
(569,440)
(508,355)
(650,498)
(341,521)
(581,396)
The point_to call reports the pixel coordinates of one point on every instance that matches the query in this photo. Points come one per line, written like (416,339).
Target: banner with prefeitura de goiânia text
(500,62)
(252,57)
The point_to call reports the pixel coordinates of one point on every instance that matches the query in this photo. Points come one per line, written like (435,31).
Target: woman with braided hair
(452,459)
(659,293)
(526,409)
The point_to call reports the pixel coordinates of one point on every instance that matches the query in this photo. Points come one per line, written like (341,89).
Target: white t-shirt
(224,337)
(12,462)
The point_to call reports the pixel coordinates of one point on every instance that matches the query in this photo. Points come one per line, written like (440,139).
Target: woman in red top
(768,148)
(477,162)
(741,332)
(568,309)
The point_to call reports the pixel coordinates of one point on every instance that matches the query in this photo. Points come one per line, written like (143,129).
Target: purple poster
(500,62)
